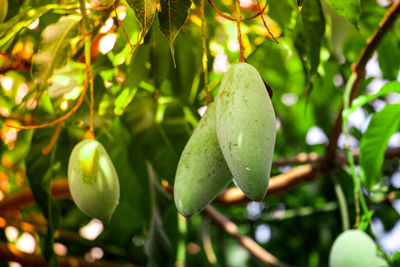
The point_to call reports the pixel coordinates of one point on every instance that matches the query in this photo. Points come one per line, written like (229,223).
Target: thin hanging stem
(46,150)
(87,37)
(241,58)
(123,29)
(230,18)
(91,107)
(63,118)
(263,19)
(204,57)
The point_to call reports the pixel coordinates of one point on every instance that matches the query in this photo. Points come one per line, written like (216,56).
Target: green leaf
(374,142)
(39,173)
(172,17)
(392,87)
(283,12)
(10,29)
(389,57)
(145,11)
(350,9)
(134,206)
(54,48)
(309,33)
(135,72)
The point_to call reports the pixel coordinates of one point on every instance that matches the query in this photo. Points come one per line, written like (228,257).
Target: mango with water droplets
(356,249)
(202,172)
(93,180)
(246,128)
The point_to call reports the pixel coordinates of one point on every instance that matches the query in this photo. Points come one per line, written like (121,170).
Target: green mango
(3,10)
(93,180)
(246,128)
(356,249)
(202,172)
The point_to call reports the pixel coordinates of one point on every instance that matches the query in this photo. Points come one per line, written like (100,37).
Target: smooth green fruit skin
(202,172)
(354,248)
(3,10)
(93,180)
(246,128)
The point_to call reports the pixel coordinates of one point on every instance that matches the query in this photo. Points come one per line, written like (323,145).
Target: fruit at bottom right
(354,248)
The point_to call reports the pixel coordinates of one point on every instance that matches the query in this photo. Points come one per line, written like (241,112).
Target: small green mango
(93,180)
(202,172)
(356,249)
(3,10)
(246,129)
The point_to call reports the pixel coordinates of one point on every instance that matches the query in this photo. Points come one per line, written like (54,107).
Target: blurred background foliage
(148,102)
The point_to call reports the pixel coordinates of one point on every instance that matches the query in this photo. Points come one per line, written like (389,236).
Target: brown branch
(297,176)
(230,18)
(9,253)
(24,197)
(278,184)
(255,249)
(358,69)
(300,158)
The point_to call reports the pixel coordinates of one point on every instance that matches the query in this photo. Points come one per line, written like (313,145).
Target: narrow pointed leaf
(392,87)
(145,11)
(350,9)
(309,33)
(172,17)
(374,142)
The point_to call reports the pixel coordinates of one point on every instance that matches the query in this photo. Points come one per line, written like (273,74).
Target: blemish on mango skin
(89,167)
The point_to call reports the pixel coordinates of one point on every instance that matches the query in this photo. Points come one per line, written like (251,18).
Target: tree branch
(358,70)
(278,184)
(297,176)
(9,252)
(248,243)
(24,197)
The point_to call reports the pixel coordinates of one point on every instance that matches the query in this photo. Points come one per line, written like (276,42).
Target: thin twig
(241,57)
(91,130)
(123,29)
(255,249)
(230,18)
(63,118)
(282,183)
(265,23)
(46,150)
(278,184)
(358,69)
